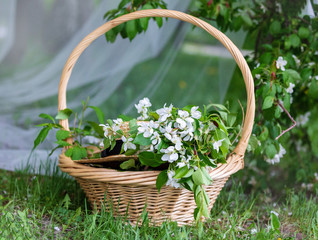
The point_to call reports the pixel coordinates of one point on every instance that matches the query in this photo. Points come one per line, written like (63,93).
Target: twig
(290,117)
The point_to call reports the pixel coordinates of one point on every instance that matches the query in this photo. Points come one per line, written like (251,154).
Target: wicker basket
(135,189)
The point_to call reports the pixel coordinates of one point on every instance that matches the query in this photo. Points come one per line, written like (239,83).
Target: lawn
(54,207)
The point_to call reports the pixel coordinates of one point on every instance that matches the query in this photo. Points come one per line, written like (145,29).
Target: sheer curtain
(37,36)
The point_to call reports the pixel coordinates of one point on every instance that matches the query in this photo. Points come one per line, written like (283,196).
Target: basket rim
(234,163)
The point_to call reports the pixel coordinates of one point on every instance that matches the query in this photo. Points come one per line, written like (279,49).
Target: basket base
(131,201)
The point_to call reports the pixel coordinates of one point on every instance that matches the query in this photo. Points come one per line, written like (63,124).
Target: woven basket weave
(134,189)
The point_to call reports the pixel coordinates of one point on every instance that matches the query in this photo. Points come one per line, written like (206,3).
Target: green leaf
(112,144)
(278,112)
(131,29)
(78,153)
(199,178)
(162,145)
(69,152)
(268,102)
(266,58)
(123,3)
(98,129)
(110,122)
(264,134)
(47,116)
(287,43)
(196,214)
(99,113)
(133,127)
(275,224)
(159,21)
(130,152)
(64,114)
(303,32)
(62,134)
(290,75)
(313,89)
(253,143)
(219,106)
(144,23)
(313,130)
(41,136)
(106,143)
(231,118)
(246,19)
(111,35)
(294,40)
(150,159)
(125,118)
(141,140)
(189,174)
(286,101)
(161,180)
(63,143)
(181,172)
(270,150)
(275,27)
(128,164)
(206,175)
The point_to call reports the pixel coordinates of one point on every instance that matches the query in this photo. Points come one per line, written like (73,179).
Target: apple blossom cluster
(180,137)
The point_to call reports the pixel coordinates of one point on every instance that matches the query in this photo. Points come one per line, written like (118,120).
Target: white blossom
(316,77)
(168,131)
(184,162)
(217,144)
(253,231)
(257,76)
(164,113)
(106,129)
(308,186)
(187,133)
(143,105)
(310,64)
(117,124)
(290,88)
(303,119)
(316,176)
(128,143)
(155,139)
(252,181)
(177,141)
(296,60)
(278,156)
(281,63)
(171,181)
(143,116)
(181,123)
(147,128)
(184,119)
(195,113)
(183,114)
(275,213)
(170,154)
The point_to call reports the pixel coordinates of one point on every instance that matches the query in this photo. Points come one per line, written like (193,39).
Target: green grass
(54,207)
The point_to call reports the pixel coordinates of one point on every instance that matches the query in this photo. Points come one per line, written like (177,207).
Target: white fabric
(36,37)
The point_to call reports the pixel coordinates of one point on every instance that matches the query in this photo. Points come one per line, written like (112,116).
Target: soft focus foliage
(284,66)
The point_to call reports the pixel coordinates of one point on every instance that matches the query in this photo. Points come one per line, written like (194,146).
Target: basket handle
(248,79)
